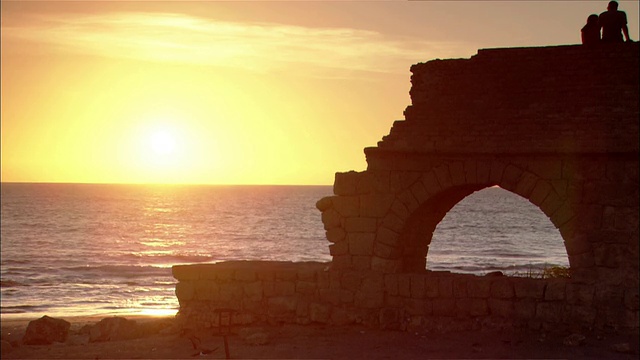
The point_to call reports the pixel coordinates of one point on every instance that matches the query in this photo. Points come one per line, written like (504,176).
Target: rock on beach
(46,330)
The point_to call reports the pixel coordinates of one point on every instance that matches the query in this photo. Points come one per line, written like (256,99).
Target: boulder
(46,330)
(113,328)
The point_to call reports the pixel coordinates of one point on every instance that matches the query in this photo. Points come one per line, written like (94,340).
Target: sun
(162,142)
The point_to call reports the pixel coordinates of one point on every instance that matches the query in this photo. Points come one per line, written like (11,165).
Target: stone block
(483,172)
(385,251)
(351,280)
(609,295)
(385,266)
(341,248)
(525,184)
(361,243)
(331,296)
(502,307)
(341,316)
(306,287)
(419,192)
(496,172)
(368,299)
(375,205)
(266,275)
(346,183)
(387,237)
(479,288)
(399,209)
(502,289)
(391,284)
(204,289)
(282,305)
(347,206)
(582,260)
(443,176)
(546,169)
(583,316)
(390,319)
(319,312)
(610,255)
(414,306)
(431,287)
(460,287)
(430,182)
(346,296)
(325,203)
(457,173)
(186,272)
(283,288)
(555,290)
(290,274)
(551,312)
(579,294)
(529,288)
(223,274)
(417,286)
(564,212)
(361,262)
(445,287)
(525,308)
(230,292)
(443,307)
(185,291)
(410,202)
(360,224)
(404,285)
(331,219)
(336,235)
(470,174)
(511,177)
(245,274)
(472,306)
(541,190)
(373,282)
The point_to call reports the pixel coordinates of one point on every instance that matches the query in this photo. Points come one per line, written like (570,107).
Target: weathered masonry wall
(303,293)
(556,125)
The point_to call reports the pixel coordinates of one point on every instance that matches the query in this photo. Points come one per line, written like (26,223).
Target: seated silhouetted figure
(591,31)
(613,24)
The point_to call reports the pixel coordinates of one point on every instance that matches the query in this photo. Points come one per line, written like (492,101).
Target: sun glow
(162,142)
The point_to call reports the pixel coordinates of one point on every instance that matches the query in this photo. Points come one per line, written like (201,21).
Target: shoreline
(316,341)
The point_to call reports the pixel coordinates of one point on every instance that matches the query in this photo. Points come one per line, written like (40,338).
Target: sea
(93,249)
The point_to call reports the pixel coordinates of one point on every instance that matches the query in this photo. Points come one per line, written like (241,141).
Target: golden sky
(253,92)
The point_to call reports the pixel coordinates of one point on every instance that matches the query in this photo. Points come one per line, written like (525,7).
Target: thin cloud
(257,46)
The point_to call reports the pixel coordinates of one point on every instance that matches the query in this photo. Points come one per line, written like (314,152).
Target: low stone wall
(304,293)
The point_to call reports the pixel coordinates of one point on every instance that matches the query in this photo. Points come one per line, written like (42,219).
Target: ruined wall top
(561,99)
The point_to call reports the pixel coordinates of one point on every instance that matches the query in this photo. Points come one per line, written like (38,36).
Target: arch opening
(496,230)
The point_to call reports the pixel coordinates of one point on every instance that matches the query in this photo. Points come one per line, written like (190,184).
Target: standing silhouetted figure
(591,31)
(613,24)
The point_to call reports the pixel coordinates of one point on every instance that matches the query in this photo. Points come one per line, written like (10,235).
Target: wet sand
(316,342)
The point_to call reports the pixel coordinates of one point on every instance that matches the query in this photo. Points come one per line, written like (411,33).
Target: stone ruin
(558,126)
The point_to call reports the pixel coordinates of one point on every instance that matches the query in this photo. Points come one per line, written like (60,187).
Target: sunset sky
(254,92)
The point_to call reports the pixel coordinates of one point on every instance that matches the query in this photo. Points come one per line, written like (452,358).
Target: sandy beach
(314,342)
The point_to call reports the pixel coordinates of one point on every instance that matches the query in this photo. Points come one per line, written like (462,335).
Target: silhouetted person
(591,31)
(613,24)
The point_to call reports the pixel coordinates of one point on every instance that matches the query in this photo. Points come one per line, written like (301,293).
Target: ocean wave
(170,259)
(11,283)
(126,271)
(21,309)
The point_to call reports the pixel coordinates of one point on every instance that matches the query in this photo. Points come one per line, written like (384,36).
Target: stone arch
(419,207)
